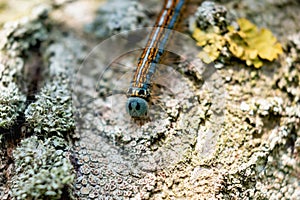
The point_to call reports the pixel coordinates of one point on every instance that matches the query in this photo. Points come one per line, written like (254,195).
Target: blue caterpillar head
(137,107)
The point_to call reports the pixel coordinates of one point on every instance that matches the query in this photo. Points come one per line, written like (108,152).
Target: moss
(246,43)
(42,169)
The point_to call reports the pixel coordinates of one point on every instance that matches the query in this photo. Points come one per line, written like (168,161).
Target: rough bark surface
(228,133)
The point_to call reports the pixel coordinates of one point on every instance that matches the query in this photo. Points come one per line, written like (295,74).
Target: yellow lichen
(248,43)
(212,43)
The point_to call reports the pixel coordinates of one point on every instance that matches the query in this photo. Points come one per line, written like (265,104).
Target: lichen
(124,150)
(12,103)
(259,159)
(289,79)
(12,100)
(42,169)
(252,45)
(210,14)
(52,112)
(104,175)
(19,36)
(256,173)
(244,42)
(16,40)
(268,169)
(118,16)
(179,153)
(264,107)
(254,152)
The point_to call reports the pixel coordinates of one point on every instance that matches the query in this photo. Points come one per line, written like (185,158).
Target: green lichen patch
(10,69)
(245,42)
(12,103)
(52,112)
(16,40)
(12,99)
(42,169)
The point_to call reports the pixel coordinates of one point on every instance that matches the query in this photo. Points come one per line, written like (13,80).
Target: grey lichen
(19,36)
(12,100)
(210,15)
(12,103)
(270,164)
(10,69)
(271,161)
(117,16)
(277,179)
(16,39)
(271,169)
(124,150)
(104,175)
(264,107)
(52,112)
(289,79)
(42,169)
